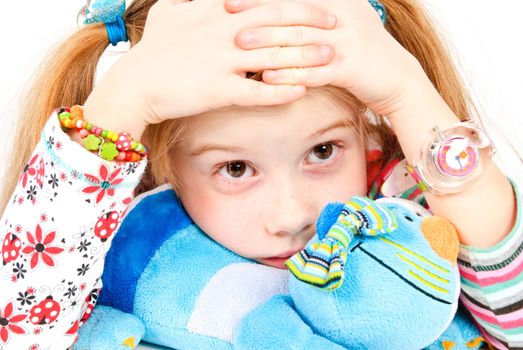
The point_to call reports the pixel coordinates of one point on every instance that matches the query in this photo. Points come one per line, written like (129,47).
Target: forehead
(306,115)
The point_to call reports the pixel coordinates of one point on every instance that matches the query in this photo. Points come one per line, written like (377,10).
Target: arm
(490,269)
(52,257)
(412,120)
(492,285)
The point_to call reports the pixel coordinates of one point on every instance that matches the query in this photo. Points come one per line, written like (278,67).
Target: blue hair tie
(378,6)
(116,31)
(110,12)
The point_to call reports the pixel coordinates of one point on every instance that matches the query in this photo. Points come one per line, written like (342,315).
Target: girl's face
(255,180)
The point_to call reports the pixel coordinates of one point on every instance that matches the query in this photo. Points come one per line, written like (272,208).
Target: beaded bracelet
(108,144)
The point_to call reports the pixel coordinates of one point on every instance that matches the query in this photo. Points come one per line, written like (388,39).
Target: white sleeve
(55,233)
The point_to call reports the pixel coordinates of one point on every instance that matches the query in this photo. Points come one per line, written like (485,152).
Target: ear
(328,217)
(442,237)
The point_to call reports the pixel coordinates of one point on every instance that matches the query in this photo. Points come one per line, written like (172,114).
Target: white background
(486,37)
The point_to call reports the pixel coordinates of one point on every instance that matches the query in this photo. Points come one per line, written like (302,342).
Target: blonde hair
(65,78)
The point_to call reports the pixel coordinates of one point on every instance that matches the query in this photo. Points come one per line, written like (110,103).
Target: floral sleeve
(55,233)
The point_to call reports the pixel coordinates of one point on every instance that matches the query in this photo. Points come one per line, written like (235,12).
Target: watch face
(455,157)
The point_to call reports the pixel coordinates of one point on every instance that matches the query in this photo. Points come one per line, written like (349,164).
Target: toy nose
(442,237)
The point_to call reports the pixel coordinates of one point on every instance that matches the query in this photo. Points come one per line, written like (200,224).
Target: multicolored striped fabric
(492,286)
(321,263)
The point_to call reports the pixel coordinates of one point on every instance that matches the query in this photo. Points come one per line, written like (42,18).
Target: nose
(289,209)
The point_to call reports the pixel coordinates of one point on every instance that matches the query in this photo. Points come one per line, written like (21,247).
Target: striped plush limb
(321,263)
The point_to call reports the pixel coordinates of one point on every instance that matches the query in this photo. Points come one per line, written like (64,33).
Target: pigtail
(64,78)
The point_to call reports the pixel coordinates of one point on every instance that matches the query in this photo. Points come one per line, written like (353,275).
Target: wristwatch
(453,158)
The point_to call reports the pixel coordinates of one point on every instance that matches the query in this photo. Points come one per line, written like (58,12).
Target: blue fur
(139,237)
(161,266)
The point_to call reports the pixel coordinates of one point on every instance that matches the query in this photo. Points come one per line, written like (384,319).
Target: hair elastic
(109,12)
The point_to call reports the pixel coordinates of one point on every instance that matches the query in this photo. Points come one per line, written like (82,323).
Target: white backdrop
(485,35)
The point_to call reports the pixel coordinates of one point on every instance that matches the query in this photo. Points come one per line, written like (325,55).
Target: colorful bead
(120,157)
(124,141)
(83,133)
(108,151)
(120,147)
(92,143)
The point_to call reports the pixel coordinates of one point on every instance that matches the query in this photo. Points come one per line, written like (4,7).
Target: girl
(302,147)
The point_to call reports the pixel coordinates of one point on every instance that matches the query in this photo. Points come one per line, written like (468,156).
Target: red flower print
(8,323)
(29,170)
(40,247)
(103,184)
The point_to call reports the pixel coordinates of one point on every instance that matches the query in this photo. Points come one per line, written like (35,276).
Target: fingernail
(235,3)
(331,20)
(325,51)
(298,89)
(247,37)
(271,75)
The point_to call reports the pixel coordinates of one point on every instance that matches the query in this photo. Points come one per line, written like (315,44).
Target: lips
(285,255)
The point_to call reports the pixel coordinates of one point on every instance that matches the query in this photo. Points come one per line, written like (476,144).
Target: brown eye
(323,151)
(236,169)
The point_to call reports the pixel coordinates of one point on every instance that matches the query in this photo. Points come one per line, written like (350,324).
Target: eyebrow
(342,123)
(216,147)
(235,149)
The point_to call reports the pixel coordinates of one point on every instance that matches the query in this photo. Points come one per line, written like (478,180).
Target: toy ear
(442,237)
(328,217)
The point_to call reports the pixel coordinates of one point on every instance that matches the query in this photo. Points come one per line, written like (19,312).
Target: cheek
(221,218)
(349,181)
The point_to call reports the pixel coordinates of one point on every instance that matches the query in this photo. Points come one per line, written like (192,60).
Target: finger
(284,57)
(279,36)
(287,14)
(308,76)
(249,92)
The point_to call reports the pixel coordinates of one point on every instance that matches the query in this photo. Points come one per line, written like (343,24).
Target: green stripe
(512,331)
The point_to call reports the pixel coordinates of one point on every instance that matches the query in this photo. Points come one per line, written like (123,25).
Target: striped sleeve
(492,285)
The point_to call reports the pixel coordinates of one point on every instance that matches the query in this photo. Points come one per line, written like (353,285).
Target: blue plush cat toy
(371,280)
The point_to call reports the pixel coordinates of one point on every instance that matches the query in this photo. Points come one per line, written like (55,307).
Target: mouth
(279,260)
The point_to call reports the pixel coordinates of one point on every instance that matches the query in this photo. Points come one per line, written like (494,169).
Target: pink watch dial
(456,157)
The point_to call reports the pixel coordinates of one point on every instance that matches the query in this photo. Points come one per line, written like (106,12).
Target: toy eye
(418,214)
(409,218)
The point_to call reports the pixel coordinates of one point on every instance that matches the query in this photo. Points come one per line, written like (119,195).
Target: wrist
(415,115)
(115,103)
